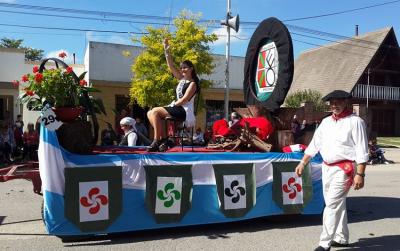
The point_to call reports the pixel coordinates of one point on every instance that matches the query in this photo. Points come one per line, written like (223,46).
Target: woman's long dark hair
(194,74)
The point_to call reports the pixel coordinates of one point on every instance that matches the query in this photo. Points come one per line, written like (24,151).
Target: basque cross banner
(236,188)
(93,199)
(291,192)
(168,191)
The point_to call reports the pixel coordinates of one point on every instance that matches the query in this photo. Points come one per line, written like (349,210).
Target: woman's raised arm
(177,74)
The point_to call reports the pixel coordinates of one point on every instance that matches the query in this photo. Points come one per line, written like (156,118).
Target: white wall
(10,59)
(236,65)
(107,63)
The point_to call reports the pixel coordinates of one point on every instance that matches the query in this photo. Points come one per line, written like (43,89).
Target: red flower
(62,54)
(35,69)
(38,78)
(29,92)
(15,83)
(82,82)
(69,69)
(25,78)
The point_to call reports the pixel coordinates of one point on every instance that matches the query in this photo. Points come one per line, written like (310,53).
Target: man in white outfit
(342,142)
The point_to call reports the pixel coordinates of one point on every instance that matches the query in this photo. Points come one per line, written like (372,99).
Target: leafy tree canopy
(30,53)
(153,83)
(295,99)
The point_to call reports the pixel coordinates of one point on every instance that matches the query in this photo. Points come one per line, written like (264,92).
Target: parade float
(114,189)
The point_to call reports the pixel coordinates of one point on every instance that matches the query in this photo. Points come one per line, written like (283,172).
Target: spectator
(198,137)
(18,132)
(5,144)
(234,119)
(31,142)
(143,134)
(295,127)
(108,136)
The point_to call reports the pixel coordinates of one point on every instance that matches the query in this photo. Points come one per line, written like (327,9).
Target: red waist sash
(347,167)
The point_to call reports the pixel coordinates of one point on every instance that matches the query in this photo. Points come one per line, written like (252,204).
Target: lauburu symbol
(94,201)
(292,188)
(235,191)
(169,194)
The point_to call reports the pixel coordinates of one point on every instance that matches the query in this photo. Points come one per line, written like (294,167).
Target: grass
(389,141)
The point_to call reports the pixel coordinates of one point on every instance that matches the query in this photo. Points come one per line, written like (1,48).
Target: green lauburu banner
(236,188)
(290,192)
(93,196)
(168,191)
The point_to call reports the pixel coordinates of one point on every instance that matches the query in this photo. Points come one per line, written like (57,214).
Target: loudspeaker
(232,22)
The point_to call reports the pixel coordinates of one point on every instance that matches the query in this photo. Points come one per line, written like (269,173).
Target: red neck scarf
(343,114)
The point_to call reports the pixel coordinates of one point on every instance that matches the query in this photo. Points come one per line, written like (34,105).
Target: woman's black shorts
(177,112)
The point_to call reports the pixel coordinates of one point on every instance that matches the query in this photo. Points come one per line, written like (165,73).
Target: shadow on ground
(382,243)
(372,208)
(360,209)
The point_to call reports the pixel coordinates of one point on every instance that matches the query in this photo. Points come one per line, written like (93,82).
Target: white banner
(234,191)
(292,188)
(168,195)
(93,201)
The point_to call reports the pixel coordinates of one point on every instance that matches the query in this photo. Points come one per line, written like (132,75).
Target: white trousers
(335,188)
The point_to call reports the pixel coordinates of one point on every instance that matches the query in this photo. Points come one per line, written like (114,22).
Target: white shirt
(132,138)
(344,139)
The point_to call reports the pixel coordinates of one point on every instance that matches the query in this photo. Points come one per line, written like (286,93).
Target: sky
(56,29)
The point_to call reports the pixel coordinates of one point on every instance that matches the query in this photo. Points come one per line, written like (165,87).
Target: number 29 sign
(50,120)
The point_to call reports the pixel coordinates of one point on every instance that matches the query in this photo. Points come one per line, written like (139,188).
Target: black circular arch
(271,29)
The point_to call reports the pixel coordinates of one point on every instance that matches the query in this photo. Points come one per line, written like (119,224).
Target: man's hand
(358,182)
(299,169)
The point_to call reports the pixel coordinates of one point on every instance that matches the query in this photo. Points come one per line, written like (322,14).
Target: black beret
(337,94)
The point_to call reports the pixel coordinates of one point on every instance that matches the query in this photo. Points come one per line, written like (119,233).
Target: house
(368,66)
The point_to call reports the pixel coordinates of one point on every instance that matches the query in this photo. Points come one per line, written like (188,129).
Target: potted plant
(67,94)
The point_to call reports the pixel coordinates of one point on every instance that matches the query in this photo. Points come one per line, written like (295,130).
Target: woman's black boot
(153,147)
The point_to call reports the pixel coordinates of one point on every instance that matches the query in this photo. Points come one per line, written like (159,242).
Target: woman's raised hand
(166,45)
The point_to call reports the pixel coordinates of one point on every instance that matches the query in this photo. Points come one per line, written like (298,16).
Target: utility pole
(227,56)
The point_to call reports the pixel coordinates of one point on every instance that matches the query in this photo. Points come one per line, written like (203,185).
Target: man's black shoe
(319,248)
(337,244)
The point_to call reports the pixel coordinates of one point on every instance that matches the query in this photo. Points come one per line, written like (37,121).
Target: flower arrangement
(59,87)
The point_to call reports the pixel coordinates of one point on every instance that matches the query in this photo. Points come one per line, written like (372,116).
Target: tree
(295,99)
(153,83)
(30,53)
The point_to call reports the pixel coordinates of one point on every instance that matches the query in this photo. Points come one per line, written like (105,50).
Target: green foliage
(30,53)
(56,87)
(295,99)
(153,83)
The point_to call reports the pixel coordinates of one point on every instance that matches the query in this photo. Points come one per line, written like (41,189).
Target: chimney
(73,56)
(356,30)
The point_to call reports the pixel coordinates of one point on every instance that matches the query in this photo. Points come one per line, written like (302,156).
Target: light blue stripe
(204,210)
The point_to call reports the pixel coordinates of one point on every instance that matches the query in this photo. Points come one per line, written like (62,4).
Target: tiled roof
(337,65)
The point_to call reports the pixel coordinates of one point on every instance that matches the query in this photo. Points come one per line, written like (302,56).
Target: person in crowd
(130,136)
(207,135)
(108,136)
(143,134)
(19,131)
(198,137)
(341,140)
(376,154)
(120,133)
(234,119)
(5,144)
(31,142)
(183,107)
(295,127)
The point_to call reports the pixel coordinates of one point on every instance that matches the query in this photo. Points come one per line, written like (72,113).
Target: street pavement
(374,222)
